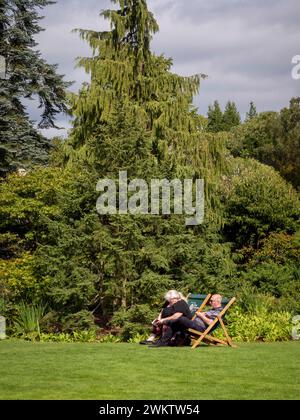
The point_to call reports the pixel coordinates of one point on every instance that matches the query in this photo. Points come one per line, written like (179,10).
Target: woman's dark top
(180,306)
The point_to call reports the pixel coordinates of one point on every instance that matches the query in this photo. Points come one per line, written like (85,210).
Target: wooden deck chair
(205,336)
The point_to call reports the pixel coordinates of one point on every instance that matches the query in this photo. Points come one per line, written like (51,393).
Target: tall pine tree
(252,113)
(127,77)
(231,116)
(137,115)
(27,76)
(215,118)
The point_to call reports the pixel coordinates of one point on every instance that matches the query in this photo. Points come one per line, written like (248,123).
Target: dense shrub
(80,321)
(260,326)
(142,314)
(88,336)
(27,324)
(132,330)
(258,202)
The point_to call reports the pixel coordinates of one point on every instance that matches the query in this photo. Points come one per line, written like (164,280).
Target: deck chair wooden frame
(205,336)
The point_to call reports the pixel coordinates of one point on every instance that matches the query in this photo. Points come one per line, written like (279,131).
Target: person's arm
(158,319)
(204,318)
(171,318)
(159,316)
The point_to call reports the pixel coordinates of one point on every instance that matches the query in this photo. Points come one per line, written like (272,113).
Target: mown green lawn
(132,371)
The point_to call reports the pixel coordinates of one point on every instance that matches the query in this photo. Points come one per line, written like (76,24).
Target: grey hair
(173,294)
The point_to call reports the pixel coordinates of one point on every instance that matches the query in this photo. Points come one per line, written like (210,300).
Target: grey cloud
(256,12)
(245,46)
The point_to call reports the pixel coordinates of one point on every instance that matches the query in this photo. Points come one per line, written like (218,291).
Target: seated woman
(177,309)
(174,307)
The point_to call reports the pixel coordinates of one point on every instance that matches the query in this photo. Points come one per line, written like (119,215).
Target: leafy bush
(28,323)
(258,202)
(88,336)
(252,302)
(135,323)
(56,338)
(132,330)
(83,320)
(265,326)
(142,314)
(17,279)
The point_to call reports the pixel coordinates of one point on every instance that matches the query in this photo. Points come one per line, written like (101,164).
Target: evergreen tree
(215,118)
(231,116)
(272,138)
(252,113)
(123,69)
(27,76)
(127,78)
(137,115)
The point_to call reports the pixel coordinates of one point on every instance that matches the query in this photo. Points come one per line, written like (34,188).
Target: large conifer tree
(123,69)
(27,76)
(127,76)
(215,118)
(137,115)
(252,113)
(231,116)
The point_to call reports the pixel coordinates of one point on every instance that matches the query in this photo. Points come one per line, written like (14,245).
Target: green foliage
(86,336)
(2,306)
(56,338)
(258,316)
(27,76)
(252,113)
(28,322)
(259,326)
(215,118)
(132,330)
(258,202)
(231,116)
(279,248)
(26,205)
(218,121)
(137,313)
(17,280)
(135,115)
(254,303)
(280,281)
(78,322)
(136,78)
(273,139)
(273,269)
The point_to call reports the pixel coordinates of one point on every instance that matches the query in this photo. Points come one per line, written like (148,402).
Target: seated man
(203,319)
(181,322)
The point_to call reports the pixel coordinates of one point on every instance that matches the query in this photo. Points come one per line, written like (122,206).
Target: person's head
(172,296)
(215,301)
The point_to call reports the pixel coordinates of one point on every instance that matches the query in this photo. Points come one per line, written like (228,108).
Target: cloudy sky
(244,46)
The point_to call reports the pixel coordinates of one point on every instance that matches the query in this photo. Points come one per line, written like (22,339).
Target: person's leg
(186,323)
(156,332)
(168,331)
